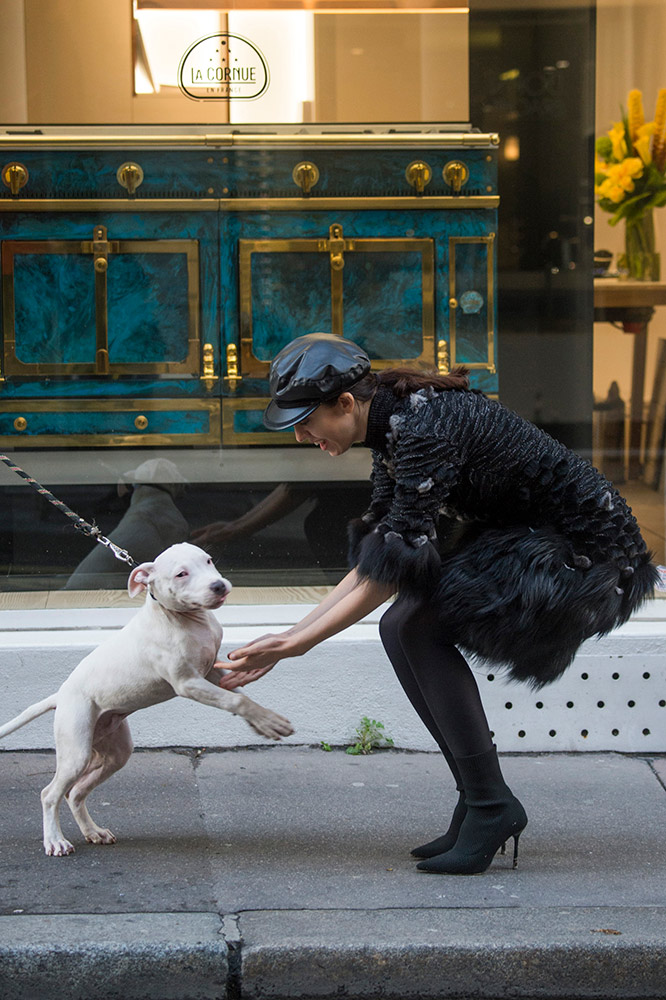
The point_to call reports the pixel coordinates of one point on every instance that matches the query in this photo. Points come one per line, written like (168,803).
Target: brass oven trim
(489,241)
(24,407)
(253,367)
(101,366)
(313,203)
(273,140)
(232,437)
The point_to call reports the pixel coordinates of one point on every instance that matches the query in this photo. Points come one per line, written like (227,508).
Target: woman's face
(334,428)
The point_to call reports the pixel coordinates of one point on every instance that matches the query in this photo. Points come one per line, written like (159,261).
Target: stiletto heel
(503,848)
(494,815)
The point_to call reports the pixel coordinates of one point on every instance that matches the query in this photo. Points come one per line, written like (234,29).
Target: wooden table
(632,304)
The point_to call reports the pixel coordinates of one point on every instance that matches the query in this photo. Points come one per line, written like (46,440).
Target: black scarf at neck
(381,409)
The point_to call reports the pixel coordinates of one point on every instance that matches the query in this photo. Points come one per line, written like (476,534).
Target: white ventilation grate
(607,702)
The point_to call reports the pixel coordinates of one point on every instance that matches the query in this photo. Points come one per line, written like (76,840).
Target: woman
(496,538)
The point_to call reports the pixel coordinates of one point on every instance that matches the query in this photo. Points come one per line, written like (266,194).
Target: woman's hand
(261,654)
(239,678)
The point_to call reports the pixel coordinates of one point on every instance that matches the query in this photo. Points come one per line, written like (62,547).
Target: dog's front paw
(268,723)
(58,847)
(100,836)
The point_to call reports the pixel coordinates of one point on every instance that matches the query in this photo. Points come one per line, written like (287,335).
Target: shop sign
(223,67)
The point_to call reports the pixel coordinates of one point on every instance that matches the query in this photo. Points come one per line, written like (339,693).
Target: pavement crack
(656,773)
(230,931)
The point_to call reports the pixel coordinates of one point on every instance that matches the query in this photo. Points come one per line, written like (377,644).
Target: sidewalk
(285,872)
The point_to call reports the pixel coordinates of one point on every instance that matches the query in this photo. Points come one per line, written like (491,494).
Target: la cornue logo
(223,67)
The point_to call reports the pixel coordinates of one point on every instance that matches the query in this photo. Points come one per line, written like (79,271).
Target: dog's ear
(139,578)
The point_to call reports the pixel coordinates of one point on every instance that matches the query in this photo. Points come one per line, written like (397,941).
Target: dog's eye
(210,562)
(182,573)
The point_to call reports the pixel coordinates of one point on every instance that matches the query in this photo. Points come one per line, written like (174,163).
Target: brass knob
(129,176)
(20,424)
(305,174)
(418,174)
(141,422)
(453,303)
(443,365)
(14,176)
(233,377)
(101,264)
(455,173)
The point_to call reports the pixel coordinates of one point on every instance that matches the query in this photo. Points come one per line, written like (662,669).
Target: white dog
(167,649)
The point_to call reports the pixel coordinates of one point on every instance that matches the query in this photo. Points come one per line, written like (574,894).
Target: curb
(432,954)
(139,956)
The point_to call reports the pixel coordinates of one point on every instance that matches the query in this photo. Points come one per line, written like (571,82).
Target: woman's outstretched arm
(351,600)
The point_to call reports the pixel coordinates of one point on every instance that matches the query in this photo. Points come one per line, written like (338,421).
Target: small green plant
(326,746)
(370,736)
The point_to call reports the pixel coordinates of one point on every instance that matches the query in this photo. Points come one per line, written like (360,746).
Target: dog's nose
(219,588)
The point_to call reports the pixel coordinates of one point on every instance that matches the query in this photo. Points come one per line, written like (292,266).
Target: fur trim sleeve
(383,489)
(356,532)
(408,564)
(401,550)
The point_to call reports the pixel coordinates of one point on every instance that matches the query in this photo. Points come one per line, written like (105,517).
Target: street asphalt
(282,872)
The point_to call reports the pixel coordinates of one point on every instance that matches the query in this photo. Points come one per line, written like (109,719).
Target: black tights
(437,680)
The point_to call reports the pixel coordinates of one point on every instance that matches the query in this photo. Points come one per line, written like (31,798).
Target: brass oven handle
(100,250)
(443,363)
(233,377)
(130,176)
(418,174)
(14,176)
(305,174)
(455,174)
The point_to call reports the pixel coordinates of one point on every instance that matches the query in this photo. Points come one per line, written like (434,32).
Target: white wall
(325,692)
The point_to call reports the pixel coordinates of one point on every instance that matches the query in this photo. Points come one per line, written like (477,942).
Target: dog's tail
(39,708)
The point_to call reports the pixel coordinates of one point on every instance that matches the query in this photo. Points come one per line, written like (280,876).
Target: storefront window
(187,187)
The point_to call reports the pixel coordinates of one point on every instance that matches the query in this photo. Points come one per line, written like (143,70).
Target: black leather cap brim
(279,418)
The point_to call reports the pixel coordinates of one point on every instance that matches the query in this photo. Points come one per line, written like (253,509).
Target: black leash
(91,530)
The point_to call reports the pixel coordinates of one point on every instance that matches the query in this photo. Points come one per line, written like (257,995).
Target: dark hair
(404,381)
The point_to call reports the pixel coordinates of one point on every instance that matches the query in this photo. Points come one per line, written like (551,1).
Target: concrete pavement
(282,872)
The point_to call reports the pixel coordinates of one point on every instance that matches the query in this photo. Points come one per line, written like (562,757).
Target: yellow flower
(617,137)
(611,191)
(642,142)
(620,179)
(623,172)
(635,115)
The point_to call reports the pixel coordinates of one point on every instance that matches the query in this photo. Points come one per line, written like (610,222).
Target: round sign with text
(223,67)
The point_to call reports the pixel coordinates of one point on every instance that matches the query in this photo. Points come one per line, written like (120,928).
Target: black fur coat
(522,548)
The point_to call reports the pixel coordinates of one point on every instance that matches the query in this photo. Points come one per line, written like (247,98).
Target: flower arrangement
(631,160)
(630,179)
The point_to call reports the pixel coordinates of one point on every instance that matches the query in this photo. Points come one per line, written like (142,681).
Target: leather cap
(309,371)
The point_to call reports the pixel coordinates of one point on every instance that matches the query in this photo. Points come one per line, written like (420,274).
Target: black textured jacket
(442,457)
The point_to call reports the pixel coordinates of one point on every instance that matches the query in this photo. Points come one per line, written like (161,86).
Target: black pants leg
(437,680)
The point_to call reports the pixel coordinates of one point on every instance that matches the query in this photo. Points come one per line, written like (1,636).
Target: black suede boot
(444,843)
(493,815)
